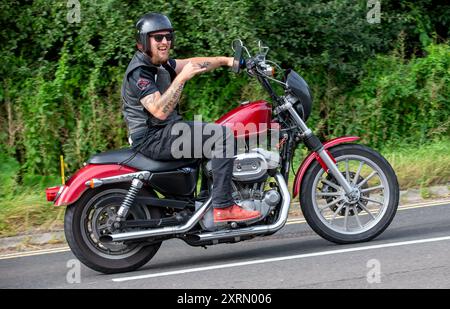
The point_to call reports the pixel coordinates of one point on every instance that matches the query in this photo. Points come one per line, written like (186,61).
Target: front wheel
(343,220)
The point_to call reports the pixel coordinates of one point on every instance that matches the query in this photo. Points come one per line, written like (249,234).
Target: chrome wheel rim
(356,214)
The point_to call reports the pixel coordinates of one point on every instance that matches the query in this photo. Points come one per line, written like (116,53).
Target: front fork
(314,144)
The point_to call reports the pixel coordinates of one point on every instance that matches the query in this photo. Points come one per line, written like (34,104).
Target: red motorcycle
(122,205)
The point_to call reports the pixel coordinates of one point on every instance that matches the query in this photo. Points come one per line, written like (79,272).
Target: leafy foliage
(398,100)
(60,87)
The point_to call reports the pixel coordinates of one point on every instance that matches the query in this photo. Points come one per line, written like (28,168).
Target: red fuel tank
(248,119)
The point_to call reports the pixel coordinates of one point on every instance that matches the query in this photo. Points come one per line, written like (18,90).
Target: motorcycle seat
(129,158)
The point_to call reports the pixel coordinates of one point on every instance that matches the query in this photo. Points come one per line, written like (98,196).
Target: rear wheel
(89,218)
(340,219)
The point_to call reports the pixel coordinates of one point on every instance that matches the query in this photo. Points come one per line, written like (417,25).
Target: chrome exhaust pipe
(169,230)
(181,229)
(254,230)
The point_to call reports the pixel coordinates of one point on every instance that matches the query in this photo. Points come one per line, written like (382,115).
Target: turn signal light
(52,193)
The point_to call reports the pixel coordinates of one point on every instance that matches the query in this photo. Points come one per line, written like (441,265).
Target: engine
(249,183)
(252,166)
(255,197)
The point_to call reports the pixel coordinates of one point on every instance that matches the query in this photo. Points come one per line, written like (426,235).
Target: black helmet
(151,22)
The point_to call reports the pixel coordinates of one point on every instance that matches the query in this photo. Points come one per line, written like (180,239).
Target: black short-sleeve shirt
(142,80)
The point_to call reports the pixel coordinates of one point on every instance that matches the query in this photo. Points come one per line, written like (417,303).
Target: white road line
(289,222)
(32,253)
(285,258)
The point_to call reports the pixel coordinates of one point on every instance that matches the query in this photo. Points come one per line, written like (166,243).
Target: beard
(158,56)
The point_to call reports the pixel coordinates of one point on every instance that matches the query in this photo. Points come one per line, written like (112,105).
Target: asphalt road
(414,252)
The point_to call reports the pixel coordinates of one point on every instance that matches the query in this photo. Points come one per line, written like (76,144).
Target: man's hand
(230,61)
(190,70)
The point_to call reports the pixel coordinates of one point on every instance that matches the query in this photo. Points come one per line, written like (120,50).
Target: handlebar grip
(242,64)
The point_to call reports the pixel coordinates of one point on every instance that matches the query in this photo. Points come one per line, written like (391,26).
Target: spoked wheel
(361,217)
(91,217)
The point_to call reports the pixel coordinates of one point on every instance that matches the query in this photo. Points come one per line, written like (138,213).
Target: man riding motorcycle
(151,90)
(115,221)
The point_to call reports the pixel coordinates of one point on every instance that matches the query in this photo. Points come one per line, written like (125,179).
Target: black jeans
(206,140)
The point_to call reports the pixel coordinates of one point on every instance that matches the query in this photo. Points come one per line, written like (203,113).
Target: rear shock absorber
(136,185)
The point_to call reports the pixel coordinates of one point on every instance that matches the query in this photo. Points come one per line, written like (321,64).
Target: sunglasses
(159,37)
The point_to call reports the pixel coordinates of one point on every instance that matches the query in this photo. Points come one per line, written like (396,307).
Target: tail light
(53,193)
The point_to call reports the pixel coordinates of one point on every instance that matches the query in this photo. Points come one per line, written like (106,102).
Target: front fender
(310,158)
(76,185)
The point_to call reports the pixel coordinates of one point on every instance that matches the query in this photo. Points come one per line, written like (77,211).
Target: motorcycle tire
(82,233)
(332,231)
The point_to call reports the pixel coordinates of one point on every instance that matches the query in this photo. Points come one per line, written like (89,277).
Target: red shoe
(234,213)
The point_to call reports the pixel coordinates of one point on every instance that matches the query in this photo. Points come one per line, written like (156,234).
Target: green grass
(415,166)
(423,166)
(27,211)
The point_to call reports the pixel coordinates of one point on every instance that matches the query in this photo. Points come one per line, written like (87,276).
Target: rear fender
(76,185)
(312,156)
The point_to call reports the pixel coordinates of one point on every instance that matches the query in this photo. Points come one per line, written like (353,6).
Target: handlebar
(257,66)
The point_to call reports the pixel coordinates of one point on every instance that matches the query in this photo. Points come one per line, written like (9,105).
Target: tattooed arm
(209,63)
(160,106)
